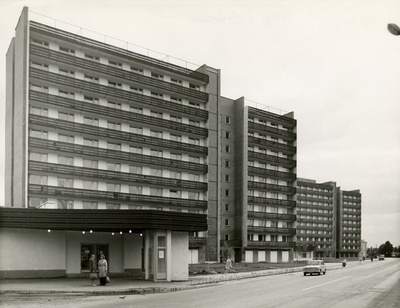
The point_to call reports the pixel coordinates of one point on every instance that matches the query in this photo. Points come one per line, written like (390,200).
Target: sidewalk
(81,286)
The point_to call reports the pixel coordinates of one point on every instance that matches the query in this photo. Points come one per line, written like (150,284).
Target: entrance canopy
(101,220)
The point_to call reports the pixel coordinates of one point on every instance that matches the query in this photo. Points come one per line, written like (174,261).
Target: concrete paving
(81,286)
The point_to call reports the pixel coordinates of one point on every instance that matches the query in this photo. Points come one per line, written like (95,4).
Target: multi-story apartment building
(258,173)
(103,131)
(316,219)
(328,221)
(348,232)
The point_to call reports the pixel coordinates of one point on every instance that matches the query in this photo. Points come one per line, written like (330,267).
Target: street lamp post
(394,29)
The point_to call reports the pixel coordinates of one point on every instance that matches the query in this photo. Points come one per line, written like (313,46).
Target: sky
(333,63)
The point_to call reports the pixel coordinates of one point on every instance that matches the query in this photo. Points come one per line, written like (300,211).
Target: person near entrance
(103,267)
(92,268)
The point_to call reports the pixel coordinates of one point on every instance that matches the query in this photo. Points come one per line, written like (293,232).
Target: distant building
(364,248)
(348,232)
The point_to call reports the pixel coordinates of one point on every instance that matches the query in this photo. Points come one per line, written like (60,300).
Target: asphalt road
(369,284)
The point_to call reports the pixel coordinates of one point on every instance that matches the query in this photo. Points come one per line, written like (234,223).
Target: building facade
(348,232)
(99,129)
(316,219)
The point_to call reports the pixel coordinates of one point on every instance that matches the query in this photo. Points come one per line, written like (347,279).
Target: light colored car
(315,266)
(381,257)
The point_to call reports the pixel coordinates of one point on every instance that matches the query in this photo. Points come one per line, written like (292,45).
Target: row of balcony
(299,219)
(270,245)
(313,199)
(328,206)
(314,192)
(285,162)
(272,187)
(287,176)
(65,148)
(302,229)
(276,118)
(274,216)
(271,230)
(302,212)
(272,131)
(108,196)
(46,123)
(42,29)
(98,69)
(271,201)
(91,89)
(39,99)
(272,145)
(120,177)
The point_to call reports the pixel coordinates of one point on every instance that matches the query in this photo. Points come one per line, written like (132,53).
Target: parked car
(381,257)
(315,266)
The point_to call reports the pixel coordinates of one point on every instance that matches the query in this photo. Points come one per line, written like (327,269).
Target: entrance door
(88,249)
(161,257)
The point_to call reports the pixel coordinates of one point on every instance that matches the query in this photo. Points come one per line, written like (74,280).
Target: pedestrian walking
(103,268)
(228,264)
(92,269)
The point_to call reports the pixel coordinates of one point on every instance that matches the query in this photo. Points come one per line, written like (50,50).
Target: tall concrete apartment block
(328,221)
(94,126)
(316,219)
(348,235)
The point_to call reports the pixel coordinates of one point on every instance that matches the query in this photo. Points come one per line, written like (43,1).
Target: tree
(386,249)
(226,251)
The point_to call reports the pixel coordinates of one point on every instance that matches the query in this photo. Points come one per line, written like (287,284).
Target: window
(113,206)
(136,150)
(66,94)
(136,109)
(156,114)
(227,119)
(174,193)
(113,167)
(87,205)
(155,172)
(40,43)
(226,207)
(92,185)
(113,187)
(176,81)
(88,163)
(91,79)
(91,57)
(38,88)
(226,222)
(227,192)
(227,135)
(135,189)
(115,84)
(91,121)
(175,175)
(157,134)
(227,178)
(176,119)
(91,142)
(135,169)
(193,86)
(39,111)
(176,137)
(226,237)
(66,116)
(115,126)
(63,182)
(136,130)
(38,179)
(136,70)
(38,157)
(227,163)
(40,65)
(66,72)
(38,134)
(136,90)
(155,191)
(114,146)
(91,100)
(176,100)
(194,141)
(65,204)
(114,105)
(176,156)
(156,153)
(227,148)
(157,76)
(66,49)
(115,63)
(65,160)
(194,159)
(155,94)
(65,138)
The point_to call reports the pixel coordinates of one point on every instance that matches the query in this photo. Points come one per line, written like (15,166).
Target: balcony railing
(43,99)
(118,73)
(120,177)
(90,88)
(271,201)
(289,149)
(97,195)
(112,155)
(281,119)
(271,173)
(264,215)
(285,162)
(261,244)
(270,230)
(119,52)
(96,132)
(271,187)
(276,132)
(314,199)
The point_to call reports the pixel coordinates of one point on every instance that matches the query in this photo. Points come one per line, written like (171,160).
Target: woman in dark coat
(92,268)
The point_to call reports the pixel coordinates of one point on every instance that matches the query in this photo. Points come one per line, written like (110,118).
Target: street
(367,284)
